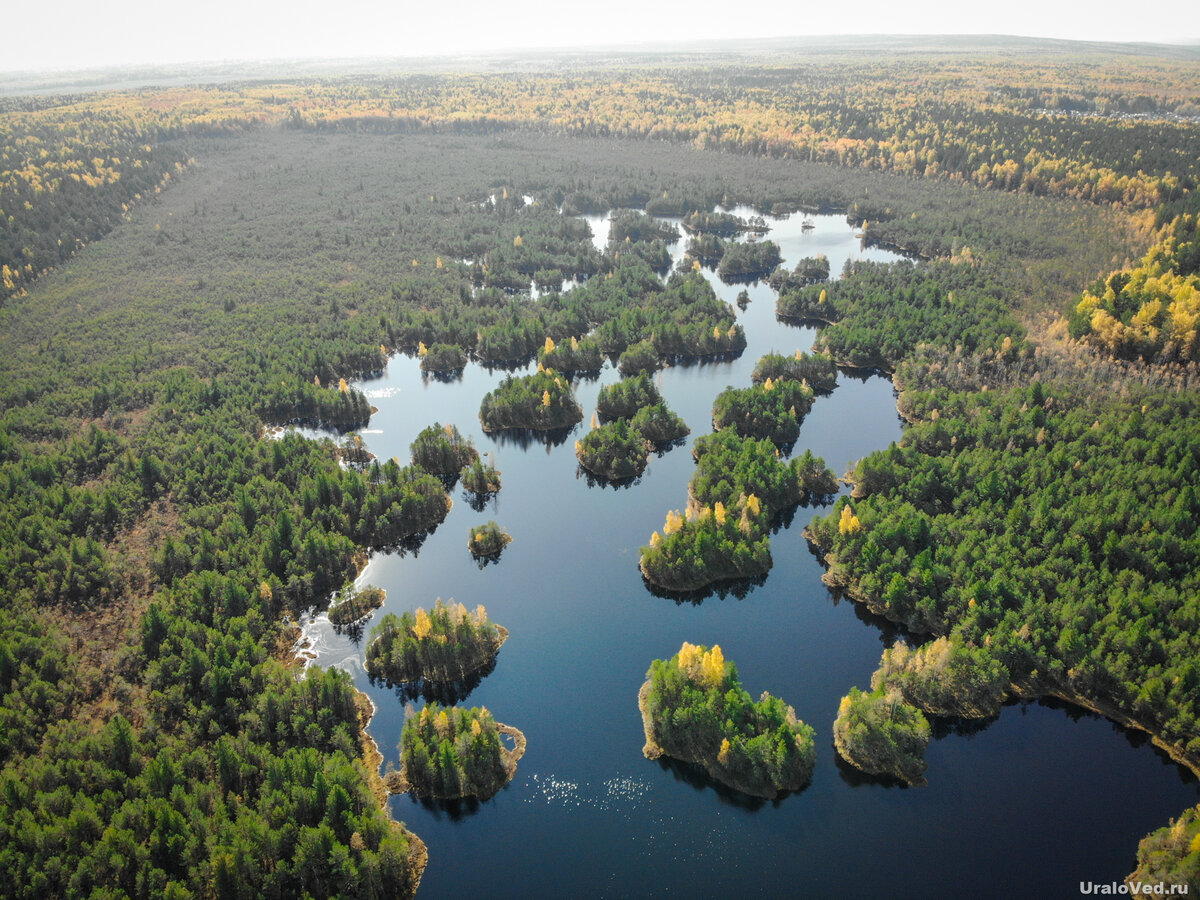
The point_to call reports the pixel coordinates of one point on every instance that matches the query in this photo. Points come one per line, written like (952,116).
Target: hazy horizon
(136,34)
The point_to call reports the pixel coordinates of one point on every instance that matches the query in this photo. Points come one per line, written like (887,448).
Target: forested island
(354,605)
(443,450)
(772,410)
(614,451)
(480,478)
(695,709)
(818,370)
(488,540)
(539,402)
(738,488)
(186,272)
(450,753)
(444,644)
(882,735)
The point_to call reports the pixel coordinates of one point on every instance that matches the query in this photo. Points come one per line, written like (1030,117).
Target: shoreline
(418,857)
(1022,690)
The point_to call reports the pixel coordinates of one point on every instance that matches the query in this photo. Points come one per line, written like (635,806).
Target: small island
(728,465)
(447,644)
(750,261)
(809,270)
(881,734)
(541,401)
(695,709)
(480,478)
(807,303)
(442,450)
(487,541)
(571,356)
(614,451)
(441,358)
(819,370)
(639,358)
(452,753)
(739,486)
(355,605)
(707,248)
(658,424)
(636,226)
(708,545)
(722,224)
(623,399)
(772,410)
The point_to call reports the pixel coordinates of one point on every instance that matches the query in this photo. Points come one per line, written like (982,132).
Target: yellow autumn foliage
(674,522)
(689,654)
(423,625)
(712,667)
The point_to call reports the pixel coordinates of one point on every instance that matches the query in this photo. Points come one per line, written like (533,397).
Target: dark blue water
(1035,802)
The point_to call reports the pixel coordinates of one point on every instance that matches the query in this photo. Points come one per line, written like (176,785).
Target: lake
(1035,802)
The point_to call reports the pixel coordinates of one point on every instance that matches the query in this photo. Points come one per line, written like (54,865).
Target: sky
(76,34)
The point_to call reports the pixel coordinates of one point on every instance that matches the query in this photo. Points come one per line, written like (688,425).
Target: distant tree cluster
(1150,311)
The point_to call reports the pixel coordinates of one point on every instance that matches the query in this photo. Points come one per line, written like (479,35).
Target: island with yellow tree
(450,753)
(695,709)
(445,644)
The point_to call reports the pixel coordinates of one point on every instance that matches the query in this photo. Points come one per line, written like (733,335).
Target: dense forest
(185,269)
